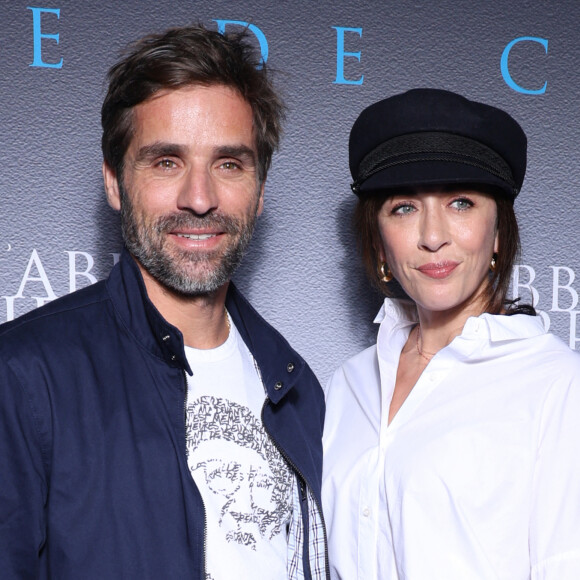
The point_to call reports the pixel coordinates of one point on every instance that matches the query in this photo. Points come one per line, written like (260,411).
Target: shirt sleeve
(555,513)
(23,489)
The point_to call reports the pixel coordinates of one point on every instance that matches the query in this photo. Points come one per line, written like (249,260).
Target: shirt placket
(374,528)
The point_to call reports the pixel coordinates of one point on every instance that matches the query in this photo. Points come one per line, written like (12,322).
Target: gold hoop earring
(493,262)
(385,274)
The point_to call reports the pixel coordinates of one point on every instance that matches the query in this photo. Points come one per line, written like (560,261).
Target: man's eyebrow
(159,149)
(242,152)
(162,149)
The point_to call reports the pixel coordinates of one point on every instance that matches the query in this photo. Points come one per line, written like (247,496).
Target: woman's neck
(437,329)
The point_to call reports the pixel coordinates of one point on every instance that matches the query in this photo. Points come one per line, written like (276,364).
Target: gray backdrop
(334,58)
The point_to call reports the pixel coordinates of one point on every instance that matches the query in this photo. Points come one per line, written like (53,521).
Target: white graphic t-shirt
(245,483)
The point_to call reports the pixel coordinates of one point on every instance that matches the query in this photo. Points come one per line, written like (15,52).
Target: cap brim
(424,173)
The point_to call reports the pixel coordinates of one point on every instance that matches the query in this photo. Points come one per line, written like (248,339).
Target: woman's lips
(438,270)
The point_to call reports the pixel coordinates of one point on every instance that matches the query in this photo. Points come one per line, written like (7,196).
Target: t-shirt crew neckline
(218,353)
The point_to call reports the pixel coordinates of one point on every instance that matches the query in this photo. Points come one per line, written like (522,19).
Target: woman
(452,446)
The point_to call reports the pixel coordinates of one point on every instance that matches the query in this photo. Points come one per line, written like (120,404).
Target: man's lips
(197,236)
(438,269)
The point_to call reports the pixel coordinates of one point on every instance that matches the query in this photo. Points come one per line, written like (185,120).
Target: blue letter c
(505,69)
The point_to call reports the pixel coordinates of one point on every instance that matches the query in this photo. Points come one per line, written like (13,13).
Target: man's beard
(187,272)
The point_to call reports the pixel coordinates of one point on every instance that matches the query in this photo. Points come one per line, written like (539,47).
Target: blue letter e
(340,55)
(38,36)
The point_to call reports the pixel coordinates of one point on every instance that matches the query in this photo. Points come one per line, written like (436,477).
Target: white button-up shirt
(478,474)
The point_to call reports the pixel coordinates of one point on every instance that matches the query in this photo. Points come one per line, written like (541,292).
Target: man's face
(189,194)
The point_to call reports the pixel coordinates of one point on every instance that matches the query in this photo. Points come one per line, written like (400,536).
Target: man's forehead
(217,112)
(208,94)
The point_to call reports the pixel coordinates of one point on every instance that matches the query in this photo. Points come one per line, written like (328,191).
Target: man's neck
(201,319)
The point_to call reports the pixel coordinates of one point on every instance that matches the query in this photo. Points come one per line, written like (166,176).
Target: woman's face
(438,243)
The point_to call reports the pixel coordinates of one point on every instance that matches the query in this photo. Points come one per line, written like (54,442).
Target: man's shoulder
(57,317)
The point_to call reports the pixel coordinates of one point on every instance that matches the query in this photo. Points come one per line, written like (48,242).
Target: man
(153,425)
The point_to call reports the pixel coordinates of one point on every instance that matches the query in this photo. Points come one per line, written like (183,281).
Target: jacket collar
(280,366)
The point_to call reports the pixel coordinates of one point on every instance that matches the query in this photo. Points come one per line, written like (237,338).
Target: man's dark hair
(182,57)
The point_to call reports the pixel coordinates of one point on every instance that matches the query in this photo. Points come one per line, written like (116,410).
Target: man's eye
(166,164)
(229,165)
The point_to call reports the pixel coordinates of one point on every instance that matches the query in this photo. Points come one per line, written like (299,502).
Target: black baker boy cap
(435,137)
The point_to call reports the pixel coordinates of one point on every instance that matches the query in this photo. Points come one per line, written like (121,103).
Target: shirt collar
(504,328)
(399,313)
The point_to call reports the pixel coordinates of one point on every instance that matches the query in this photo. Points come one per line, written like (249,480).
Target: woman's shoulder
(360,362)
(548,359)
(353,402)
(552,347)
(362,368)
(527,335)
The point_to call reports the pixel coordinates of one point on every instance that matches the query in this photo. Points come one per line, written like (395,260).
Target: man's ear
(111,187)
(261,199)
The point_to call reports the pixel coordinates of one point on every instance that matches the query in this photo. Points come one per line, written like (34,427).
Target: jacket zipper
(202,503)
(302,483)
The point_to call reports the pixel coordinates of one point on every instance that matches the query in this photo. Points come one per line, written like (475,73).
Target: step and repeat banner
(332,59)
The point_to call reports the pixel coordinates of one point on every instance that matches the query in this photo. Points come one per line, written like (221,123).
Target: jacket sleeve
(555,516)
(23,482)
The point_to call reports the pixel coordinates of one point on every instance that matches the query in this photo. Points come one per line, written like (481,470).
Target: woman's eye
(403,209)
(462,203)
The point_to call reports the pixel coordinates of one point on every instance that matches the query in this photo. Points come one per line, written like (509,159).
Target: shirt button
(278,385)
(290,367)
(366,512)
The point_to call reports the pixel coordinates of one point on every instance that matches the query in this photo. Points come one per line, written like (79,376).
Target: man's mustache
(225,223)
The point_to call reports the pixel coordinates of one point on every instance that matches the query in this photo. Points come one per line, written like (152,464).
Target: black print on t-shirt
(250,476)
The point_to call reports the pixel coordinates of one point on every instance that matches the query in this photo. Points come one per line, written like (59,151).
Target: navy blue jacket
(94,482)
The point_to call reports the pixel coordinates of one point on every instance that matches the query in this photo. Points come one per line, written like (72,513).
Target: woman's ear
(380,252)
